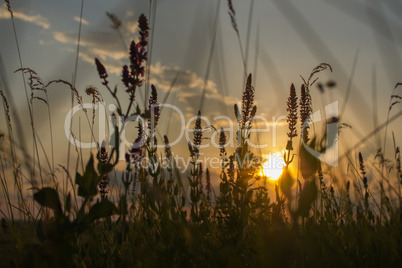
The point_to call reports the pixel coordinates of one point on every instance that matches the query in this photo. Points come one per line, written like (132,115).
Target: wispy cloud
(131,26)
(187,87)
(96,44)
(19,14)
(84,21)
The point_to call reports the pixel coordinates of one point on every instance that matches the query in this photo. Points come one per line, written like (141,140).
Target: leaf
(67,205)
(103,209)
(40,232)
(307,196)
(88,183)
(286,183)
(308,163)
(48,197)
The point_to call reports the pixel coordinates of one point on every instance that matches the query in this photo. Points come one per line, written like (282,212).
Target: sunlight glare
(273,166)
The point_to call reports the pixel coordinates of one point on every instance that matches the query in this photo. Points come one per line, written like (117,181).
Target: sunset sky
(361,40)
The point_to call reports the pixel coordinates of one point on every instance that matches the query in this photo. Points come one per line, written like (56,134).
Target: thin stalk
(250,19)
(27,99)
(211,53)
(75,77)
(372,133)
(51,136)
(6,192)
(152,14)
(46,158)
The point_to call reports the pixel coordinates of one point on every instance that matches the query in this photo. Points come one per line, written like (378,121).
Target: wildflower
(231,169)
(154,106)
(136,149)
(103,158)
(101,71)
(138,54)
(291,119)
(125,77)
(247,102)
(208,183)
(305,111)
(144,30)
(137,68)
(222,142)
(292,112)
(103,185)
(197,134)
(362,170)
(168,151)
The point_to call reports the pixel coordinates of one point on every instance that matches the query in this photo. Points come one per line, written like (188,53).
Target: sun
(273,166)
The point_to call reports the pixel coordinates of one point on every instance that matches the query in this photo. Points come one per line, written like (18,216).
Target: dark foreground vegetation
(161,217)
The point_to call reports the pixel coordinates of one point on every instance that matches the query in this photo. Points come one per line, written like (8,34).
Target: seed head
(9,8)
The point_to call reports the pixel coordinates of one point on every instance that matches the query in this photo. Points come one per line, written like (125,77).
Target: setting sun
(273,166)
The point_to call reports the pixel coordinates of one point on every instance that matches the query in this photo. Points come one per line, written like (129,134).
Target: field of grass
(161,216)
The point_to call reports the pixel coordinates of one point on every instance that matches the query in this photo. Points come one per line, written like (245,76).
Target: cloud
(100,45)
(84,21)
(32,18)
(164,75)
(131,26)
(185,86)
(187,91)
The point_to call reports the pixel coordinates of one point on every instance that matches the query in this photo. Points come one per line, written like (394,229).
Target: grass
(153,219)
